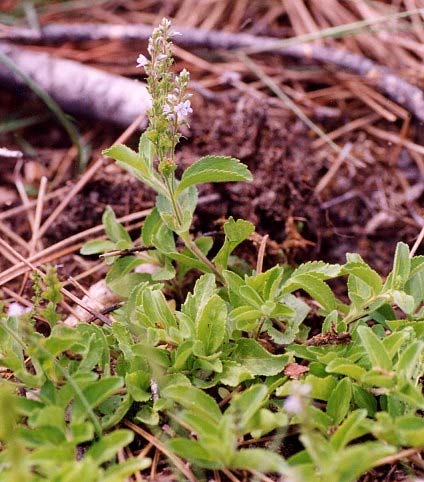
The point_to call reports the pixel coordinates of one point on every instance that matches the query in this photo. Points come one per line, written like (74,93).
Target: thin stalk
(192,246)
(176,207)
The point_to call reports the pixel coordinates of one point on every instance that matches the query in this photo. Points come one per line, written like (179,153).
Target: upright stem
(192,246)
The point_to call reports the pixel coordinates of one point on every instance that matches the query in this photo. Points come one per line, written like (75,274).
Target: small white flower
(5,152)
(183,109)
(165,23)
(16,309)
(142,61)
(293,404)
(161,57)
(176,34)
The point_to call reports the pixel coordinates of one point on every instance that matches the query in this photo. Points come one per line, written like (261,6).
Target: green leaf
(365,274)
(187,202)
(124,469)
(195,400)
(137,165)
(409,362)
(233,374)
(195,453)
(256,359)
(210,327)
(364,399)
(262,460)
(245,405)
(321,387)
(316,288)
(114,230)
(339,401)
(319,269)
(146,150)
(235,233)
(375,349)
(96,393)
(405,302)
(357,459)
(109,445)
(97,246)
(411,430)
(138,385)
(204,289)
(214,169)
(157,309)
(401,268)
(155,233)
(343,366)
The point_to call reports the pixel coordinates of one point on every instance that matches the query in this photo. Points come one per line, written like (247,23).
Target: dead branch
(395,87)
(78,89)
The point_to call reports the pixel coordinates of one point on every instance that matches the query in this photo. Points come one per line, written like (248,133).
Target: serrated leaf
(375,349)
(146,150)
(136,165)
(319,269)
(315,287)
(256,359)
(214,169)
(235,233)
(365,274)
(124,155)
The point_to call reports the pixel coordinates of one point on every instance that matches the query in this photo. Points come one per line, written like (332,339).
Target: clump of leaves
(228,362)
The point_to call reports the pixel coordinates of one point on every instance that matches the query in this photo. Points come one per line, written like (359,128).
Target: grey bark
(394,86)
(77,88)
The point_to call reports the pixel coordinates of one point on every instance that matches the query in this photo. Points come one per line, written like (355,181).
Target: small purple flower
(142,61)
(183,109)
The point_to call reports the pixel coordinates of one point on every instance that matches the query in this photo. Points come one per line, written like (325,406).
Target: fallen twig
(77,88)
(392,85)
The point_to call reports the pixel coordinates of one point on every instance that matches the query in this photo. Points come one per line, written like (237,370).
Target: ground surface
(366,207)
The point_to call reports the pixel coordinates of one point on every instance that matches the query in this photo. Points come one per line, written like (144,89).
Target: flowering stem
(176,207)
(192,246)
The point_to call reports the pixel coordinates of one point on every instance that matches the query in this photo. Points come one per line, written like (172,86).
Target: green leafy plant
(221,362)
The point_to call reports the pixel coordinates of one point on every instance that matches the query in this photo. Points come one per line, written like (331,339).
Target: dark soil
(280,201)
